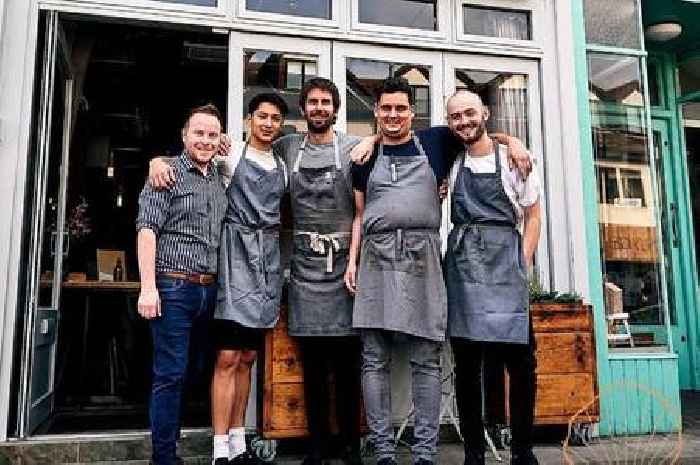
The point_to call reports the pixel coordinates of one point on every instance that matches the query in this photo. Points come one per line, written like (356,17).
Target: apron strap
(392,166)
(302,148)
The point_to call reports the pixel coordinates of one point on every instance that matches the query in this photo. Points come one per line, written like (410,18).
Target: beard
(319,126)
(479,131)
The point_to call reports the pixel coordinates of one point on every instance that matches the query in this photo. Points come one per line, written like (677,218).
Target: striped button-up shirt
(185,219)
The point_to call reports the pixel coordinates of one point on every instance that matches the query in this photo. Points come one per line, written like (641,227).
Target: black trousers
(340,356)
(519,359)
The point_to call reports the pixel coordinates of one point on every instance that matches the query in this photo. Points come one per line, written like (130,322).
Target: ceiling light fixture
(662,32)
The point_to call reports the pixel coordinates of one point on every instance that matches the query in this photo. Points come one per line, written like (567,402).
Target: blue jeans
(181,330)
(426,365)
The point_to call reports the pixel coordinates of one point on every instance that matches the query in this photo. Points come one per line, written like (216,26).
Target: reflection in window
(691,123)
(505,95)
(194,2)
(365,76)
(306,8)
(654,83)
(283,73)
(613,23)
(494,22)
(614,79)
(627,215)
(689,74)
(416,14)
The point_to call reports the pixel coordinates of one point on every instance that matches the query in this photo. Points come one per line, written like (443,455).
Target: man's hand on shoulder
(362,152)
(224,146)
(160,174)
(519,157)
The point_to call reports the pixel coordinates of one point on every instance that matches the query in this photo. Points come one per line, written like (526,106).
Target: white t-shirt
(522,193)
(265,160)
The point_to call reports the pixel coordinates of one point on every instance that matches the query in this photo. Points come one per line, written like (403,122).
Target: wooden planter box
(567,378)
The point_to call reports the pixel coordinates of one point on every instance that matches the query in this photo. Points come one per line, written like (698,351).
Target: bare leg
(242,390)
(224,389)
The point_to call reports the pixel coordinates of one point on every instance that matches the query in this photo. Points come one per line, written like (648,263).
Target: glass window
(628,216)
(689,75)
(614,79)
(505,95)
(613,23)
(654,82)
(283,73)
(364,77)
(194,2)
(495,22)
(306,8)
(416,14)
(691,123)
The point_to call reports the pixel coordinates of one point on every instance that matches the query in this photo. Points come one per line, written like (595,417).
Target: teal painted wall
(644,396)
(638,393)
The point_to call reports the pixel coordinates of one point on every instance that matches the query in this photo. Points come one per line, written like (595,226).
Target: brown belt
(196,278)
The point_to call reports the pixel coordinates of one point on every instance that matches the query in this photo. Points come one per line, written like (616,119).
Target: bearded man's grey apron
(485,271)
(249,256)
(323,210)
(400,280)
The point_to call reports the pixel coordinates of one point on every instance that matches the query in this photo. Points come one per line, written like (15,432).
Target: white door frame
(530,68)
(240,42)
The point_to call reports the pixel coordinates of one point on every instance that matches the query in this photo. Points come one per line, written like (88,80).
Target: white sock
(221,446)
(236,442)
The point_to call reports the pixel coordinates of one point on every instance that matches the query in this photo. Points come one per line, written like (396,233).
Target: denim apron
(485,271)
(323,210)
(400,280)
(249,256)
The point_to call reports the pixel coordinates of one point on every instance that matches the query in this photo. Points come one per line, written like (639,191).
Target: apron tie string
(318,243)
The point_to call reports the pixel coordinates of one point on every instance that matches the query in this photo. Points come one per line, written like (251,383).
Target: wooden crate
(566,364)
(281,408)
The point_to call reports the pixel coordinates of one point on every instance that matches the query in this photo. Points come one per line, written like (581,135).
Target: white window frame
(239,42)
(334,22)
(152,10)
(530,68)
(344,50)
(441,35)
(537,24)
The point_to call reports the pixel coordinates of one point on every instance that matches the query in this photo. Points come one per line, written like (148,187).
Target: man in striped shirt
(178,242)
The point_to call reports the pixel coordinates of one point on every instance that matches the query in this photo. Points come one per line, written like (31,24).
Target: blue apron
(485,272)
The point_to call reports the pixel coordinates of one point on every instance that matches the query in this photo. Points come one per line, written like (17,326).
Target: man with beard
(320,305)
(178,239)
(496,227)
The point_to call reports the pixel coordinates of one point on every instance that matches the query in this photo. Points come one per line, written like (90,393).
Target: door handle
(66,243)
(674,225)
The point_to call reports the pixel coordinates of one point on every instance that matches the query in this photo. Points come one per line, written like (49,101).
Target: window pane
(281,73)
(492,22)
(689,75)
(614,79)
(417,14)
(505,95)
(691,124)
(628,219)
(654,83)
(365,76)
(612,23)
(307,8)
(194,2)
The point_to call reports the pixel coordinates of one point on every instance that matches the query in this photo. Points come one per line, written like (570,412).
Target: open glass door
(510,88)
(48,235)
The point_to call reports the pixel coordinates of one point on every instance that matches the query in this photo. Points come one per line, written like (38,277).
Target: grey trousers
(426,360)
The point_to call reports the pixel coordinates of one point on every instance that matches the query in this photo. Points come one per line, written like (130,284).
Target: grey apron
(400,280)
(249,255)
(485,271)
(323,211)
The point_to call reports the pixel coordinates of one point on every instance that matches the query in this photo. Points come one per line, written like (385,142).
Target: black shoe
(351,456)
(221,461)
(424,462)
(474,458)
(524,458)
(246,458)
(386,461)
(312,459)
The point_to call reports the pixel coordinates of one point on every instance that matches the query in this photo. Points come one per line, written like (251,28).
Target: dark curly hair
(321,84)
